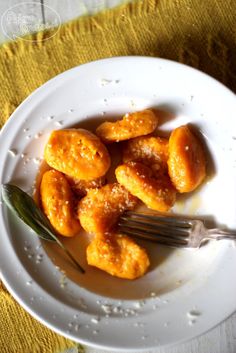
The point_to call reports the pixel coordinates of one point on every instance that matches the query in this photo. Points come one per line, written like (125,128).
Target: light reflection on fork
(180,232)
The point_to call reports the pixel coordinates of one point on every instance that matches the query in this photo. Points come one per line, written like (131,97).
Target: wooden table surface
(221,339)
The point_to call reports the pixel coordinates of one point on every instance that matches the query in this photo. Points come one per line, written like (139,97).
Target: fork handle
(219,234)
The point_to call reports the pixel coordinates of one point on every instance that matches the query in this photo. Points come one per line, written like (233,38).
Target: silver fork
(172,231)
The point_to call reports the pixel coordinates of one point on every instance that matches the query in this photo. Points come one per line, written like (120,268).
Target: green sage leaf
(23,206)
(26,209)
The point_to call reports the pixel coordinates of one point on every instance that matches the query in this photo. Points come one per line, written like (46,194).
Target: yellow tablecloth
(200,33)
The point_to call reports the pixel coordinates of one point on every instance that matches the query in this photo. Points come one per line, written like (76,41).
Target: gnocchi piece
(157,193)
(152,151)
(58,204)
(132,125)
(186,163)
(118,255)
(81,187)
(101,208)
(77,153)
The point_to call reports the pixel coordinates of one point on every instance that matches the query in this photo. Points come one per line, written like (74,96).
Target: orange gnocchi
(156,193)
(186,163)
(58,204)
(149,150)
(81,187)
(132,125)
(100,209)
(118,255)
(77,153)
(153,170)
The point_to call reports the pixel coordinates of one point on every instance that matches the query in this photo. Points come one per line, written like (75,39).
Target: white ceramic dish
(184,294)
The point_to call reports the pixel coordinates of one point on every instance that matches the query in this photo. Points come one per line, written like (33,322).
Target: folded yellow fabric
(199,33)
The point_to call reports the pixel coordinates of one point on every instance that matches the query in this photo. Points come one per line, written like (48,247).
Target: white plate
(184,294)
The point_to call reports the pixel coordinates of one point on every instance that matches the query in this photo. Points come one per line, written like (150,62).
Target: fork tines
(163,229)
